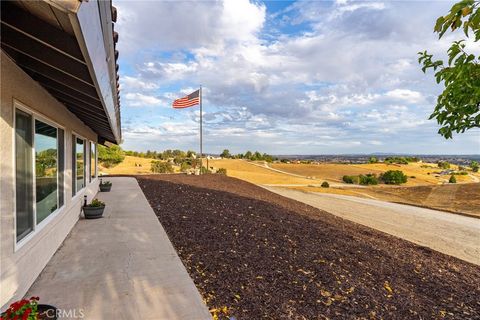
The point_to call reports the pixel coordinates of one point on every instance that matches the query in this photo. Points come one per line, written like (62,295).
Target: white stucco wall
(19,267)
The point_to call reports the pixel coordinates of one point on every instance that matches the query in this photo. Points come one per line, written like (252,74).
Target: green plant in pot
(105,186)
(94,209)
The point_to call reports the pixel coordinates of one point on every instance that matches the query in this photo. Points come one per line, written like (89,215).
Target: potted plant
(94,210)
(105,186)
(30,310)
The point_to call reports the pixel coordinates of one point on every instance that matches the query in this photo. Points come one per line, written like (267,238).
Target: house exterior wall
(21,264)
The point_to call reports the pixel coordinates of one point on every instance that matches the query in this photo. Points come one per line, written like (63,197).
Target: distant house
(59,99)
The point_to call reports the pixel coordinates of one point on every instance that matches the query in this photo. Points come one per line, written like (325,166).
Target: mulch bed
(264,256)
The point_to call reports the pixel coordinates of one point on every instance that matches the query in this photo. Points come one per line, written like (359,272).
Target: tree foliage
(110,156)
(458,106)
(474,165)
(394,177)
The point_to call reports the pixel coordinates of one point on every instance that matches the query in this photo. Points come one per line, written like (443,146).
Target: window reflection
(80,152)
(46,168)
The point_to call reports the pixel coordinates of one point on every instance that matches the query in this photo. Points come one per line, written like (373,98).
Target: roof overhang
(68,46)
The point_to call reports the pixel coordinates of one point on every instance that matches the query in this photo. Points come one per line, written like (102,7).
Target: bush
(443,164)
(185,166)
(204,170)
(161,167)
(452,179)
(222,171)
(349,179)
(368,179)
(474,165)
(373,160)
(394,177)
(325,184)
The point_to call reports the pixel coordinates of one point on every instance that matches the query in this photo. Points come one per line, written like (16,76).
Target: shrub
(222,171)
(397,160)
(349,179)
(161,167)
(185,166)
(474,165)
(368,179)
(443,164)
(373,160)
(325,184)
(452,179)
(204,170)
(394,177)
(96,203)
(413,177)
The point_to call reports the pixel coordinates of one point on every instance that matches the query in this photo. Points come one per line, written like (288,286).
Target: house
(59,100)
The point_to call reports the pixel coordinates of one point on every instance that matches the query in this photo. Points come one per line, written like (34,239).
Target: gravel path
(452,234)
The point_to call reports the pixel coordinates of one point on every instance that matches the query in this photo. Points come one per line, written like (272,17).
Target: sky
(322,77)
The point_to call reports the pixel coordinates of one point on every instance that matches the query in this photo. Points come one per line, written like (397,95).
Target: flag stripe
(188,101)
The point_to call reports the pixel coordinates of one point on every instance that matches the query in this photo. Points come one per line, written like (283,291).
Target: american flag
(188,101)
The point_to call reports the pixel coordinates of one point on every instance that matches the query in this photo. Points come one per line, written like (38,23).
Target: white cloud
(406,95)
(141,100)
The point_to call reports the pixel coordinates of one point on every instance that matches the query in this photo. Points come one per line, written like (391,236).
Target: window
(24,174)
(93,160)
(79,163)
(39,171)
(46,169)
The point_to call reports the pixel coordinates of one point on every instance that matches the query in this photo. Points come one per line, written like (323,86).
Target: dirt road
(452,234)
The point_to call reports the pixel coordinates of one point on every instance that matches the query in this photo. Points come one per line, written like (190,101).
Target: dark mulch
(266,256)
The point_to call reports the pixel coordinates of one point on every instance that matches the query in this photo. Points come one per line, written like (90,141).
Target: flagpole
(201,131)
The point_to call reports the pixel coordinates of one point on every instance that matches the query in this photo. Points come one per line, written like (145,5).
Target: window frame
(95,168)
(37,227)
(74,165)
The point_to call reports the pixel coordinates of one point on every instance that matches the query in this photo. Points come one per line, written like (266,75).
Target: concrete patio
(122,266)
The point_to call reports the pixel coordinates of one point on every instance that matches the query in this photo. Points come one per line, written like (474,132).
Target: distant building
(59,99)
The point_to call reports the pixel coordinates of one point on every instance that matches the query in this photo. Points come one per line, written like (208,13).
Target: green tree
(110,156)
(443,164)
(368,179)
(373,160)
(325,184)
(248,155)
(458,106)
(394,177)
(225,154)
(452,179)
(474,165)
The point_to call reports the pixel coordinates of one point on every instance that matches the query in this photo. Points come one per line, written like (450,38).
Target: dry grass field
(335,172)
(459,198)
(425,189)
(128,166)
(246,171)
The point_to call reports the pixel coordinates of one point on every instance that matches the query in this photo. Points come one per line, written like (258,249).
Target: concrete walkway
(449,233)
(122,266)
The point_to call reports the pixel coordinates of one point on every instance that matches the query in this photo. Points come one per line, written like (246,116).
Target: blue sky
(282,77)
